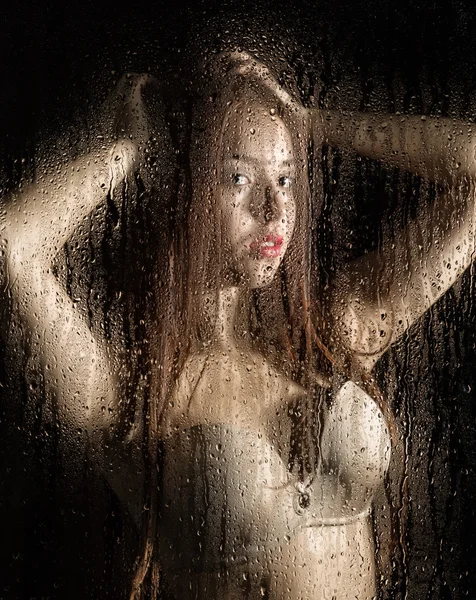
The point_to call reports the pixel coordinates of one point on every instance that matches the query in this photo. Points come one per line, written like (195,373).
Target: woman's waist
(209,527)
(312,542)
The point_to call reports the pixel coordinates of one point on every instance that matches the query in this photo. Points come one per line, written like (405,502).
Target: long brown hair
(291,287)
(286,315)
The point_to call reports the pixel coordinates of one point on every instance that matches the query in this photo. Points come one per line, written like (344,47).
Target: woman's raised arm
(439,149)
(37,220)
(383,293)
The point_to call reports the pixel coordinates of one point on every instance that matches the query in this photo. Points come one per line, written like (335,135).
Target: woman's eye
(285,181)
(240,179)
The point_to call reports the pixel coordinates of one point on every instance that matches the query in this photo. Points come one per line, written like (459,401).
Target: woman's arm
(439,149)
(77,364)
(381,294)
(37,220)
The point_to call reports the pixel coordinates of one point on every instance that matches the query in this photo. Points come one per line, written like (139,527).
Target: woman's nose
(269,206)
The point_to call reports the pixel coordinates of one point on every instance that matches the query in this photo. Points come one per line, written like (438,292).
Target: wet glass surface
(250,430)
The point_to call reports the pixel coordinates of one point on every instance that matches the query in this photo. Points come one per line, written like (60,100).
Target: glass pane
(237,313)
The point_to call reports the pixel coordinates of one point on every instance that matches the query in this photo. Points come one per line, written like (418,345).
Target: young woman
(263,455)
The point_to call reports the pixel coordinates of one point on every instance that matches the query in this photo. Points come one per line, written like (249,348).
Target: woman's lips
(267,247)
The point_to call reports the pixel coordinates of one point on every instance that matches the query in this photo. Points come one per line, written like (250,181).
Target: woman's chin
(263,274)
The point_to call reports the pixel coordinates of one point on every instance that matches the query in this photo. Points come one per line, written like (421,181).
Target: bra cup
(224,493)
(356,441)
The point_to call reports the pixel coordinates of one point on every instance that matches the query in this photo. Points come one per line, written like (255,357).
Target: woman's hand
(246,65)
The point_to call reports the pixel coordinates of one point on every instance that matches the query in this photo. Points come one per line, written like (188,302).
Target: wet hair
(285,319)
(242,90)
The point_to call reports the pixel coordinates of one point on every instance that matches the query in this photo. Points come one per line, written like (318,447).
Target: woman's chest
(241,389)
(228,496)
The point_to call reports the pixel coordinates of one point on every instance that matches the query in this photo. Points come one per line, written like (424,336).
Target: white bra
(226,495)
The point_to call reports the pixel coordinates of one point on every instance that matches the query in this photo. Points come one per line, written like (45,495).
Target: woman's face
(256,199)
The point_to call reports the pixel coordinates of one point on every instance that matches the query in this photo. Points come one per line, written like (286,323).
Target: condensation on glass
(227,367)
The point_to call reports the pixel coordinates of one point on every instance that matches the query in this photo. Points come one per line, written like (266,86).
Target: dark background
(63,536)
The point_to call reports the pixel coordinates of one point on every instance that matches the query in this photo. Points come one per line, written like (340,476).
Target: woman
(265,458)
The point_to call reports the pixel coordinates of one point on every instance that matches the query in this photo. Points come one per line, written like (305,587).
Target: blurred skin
(256,198)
